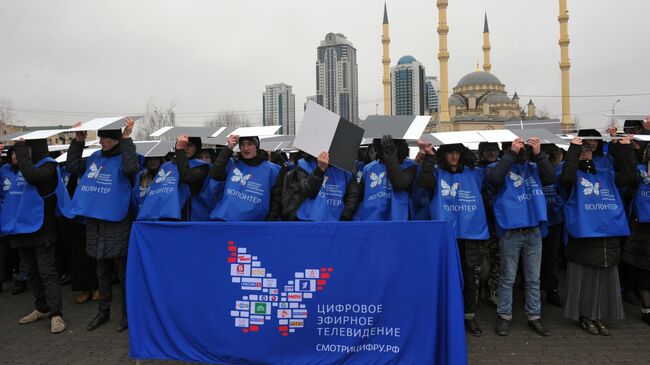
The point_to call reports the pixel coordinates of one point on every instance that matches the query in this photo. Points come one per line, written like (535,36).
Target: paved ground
(33,344)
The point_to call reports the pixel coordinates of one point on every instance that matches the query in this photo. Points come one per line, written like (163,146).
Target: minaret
(566,123)
(385,60)
(486,46)
(443,57)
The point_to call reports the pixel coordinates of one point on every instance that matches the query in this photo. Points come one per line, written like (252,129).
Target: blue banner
(296,293)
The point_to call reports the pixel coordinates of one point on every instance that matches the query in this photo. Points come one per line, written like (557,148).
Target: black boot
(124,324)
(100,319)
(554,298)
(19,287)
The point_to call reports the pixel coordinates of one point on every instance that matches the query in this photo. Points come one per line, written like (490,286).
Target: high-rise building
(432,88)
(408,87)
(279,108)
(337,85)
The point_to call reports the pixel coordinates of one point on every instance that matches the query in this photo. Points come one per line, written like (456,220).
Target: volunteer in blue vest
(420,197)
(12,256)
(180,190)
(516,181)
(28,219)
(552,243)
(594,219)
(252,188)
(387,182)
(144,179)
(103,196)
(317,191)
(636,252)
(488,153)
(455,184)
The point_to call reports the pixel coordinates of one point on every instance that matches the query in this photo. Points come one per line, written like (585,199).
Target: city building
(432,89)
(279,108)
(337,85)
(408,87)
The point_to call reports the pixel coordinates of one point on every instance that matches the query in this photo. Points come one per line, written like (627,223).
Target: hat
(196,141)
(115,134)
(448,148)
(589,133)
(254,139)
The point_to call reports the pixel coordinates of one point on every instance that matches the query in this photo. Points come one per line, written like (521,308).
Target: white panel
(416,128)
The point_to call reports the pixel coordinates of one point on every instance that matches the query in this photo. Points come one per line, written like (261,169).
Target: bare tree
(229,119)
(543,112)
(6,111)
(155,117)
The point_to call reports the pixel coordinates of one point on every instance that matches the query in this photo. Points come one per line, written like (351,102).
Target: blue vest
(167,195)
(7,176)
(520,201)
(642,196)
(358,170)
(139,192)
(555,200)
(380,202)
(104,191)
(419,202)
(204,201)
(458,199)
(23,207)
(595,208)
(328,204)
(247,192)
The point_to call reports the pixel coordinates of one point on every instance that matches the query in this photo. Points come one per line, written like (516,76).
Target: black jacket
(298,185)
(496,175)
(193,177)
(600,251)
(218,172)
(44,178)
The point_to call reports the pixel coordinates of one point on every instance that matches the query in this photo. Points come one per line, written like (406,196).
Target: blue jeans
(528,243)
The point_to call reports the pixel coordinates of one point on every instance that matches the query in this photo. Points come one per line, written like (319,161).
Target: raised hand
(323,160)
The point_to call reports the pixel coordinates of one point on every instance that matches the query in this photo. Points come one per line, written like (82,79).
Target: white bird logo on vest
(447,190)
(94,171)
(376,180)
(517,179)
(162,175)
(645,178)
(7,184)
(239,177)
(590,188)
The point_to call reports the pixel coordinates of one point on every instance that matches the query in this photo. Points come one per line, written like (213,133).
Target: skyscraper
(432,89)
(337,85)
(279,108)
(408,87)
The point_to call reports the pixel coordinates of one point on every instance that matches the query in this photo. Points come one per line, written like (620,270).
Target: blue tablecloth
(296,293)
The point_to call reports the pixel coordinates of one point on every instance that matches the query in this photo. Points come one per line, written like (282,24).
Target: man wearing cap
(103,196)
(455,184)
(28,218)
(252,187)
(180,190)
(516,182)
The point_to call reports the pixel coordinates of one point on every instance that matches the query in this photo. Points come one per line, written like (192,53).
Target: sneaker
(554,298)
(501,327)
(493,298)
(58,325)
(538,327)
(587,325)
(95,295)
(83,297)
(32,317)
(472,326)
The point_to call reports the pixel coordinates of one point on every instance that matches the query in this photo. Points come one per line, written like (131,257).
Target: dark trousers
(43,278)
(494,260)
(470,261)
(105,270)
(551,246)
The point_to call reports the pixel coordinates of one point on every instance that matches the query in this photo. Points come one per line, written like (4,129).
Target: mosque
(479,100)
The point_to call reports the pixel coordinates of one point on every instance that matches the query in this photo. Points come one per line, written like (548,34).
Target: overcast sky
(66,61)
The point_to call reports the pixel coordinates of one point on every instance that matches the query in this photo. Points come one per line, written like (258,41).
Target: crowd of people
(519,209)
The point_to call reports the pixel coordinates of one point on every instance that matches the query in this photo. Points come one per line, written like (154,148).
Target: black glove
(387,145)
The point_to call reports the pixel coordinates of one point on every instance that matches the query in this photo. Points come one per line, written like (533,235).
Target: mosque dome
(479,77)
(498,98)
